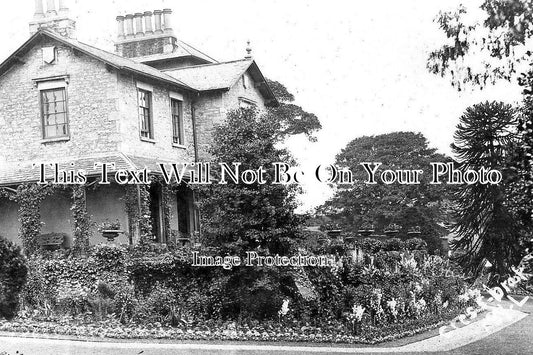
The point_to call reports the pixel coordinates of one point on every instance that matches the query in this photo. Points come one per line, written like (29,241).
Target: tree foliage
(483,52)
(479,53)
(487,226)
(241,217)
(293,119)
(237,218)
(380,204)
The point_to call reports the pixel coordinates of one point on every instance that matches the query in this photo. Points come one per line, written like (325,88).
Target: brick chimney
(55,18)
(146,33)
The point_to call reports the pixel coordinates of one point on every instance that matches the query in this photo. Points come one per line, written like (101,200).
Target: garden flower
(284,308)
(358,311)
(392,306)
(474,294)
(418,288)
(464,297)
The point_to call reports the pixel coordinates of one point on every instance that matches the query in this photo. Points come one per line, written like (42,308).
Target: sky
(360,66)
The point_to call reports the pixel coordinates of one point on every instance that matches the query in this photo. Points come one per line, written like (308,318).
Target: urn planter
(111,234)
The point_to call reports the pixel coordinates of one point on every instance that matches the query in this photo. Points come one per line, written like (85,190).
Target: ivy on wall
(82,220)
(137,206)
(166,198)
(145,220)
(29,198)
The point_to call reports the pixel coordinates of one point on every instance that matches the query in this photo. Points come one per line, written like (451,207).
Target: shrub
(37,290)
(161,306)
(109,257)
(393,244)
(371,245)
(416,244)
(72,297)
(13,273)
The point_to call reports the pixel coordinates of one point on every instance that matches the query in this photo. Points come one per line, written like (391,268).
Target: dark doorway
(183,210)
(155,212)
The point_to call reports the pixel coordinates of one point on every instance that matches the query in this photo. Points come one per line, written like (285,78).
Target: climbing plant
(166,198)
(82,220)
(29,197)
(145,220)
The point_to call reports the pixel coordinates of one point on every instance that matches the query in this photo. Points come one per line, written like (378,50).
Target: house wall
(103,203)
(92,107)
(9,224)
(208,108)
(161,146)
(106,202)
(230,99)
(56,216)
(212,108)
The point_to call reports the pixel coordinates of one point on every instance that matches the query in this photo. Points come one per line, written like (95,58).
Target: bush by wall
(13,271)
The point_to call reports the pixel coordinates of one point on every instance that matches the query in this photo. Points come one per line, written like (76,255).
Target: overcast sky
(359,66)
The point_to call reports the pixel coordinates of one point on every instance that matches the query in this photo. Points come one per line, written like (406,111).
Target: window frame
(151,135)
(177,126)
(51,86)
(247,103)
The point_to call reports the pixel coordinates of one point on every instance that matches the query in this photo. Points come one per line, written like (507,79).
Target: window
(245,103)
(54,113)
(176,107)
(145,113)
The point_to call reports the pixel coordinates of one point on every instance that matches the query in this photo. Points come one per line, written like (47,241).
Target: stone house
(155,100)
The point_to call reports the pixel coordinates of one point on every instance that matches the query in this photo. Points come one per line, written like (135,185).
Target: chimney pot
(139,25)
(129,25)
(120,27)
(51,8)
(166,19)
(157,21)
(39,12)
(148,22)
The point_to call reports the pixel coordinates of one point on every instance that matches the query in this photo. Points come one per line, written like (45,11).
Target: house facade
(155,100)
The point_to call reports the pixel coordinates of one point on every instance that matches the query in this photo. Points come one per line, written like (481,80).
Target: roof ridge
(133,62)
(210,64)
(199,51)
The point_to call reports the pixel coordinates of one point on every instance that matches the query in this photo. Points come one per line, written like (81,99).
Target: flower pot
(111,234)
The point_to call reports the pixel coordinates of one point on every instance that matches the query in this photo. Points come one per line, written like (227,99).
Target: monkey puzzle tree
(481,52)
(486,224)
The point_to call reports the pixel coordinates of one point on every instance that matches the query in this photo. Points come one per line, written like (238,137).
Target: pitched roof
(111,59)
(211,76)
(221,76)
(182,50)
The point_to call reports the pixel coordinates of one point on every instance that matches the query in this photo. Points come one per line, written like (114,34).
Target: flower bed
(271,332)
(115,292)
